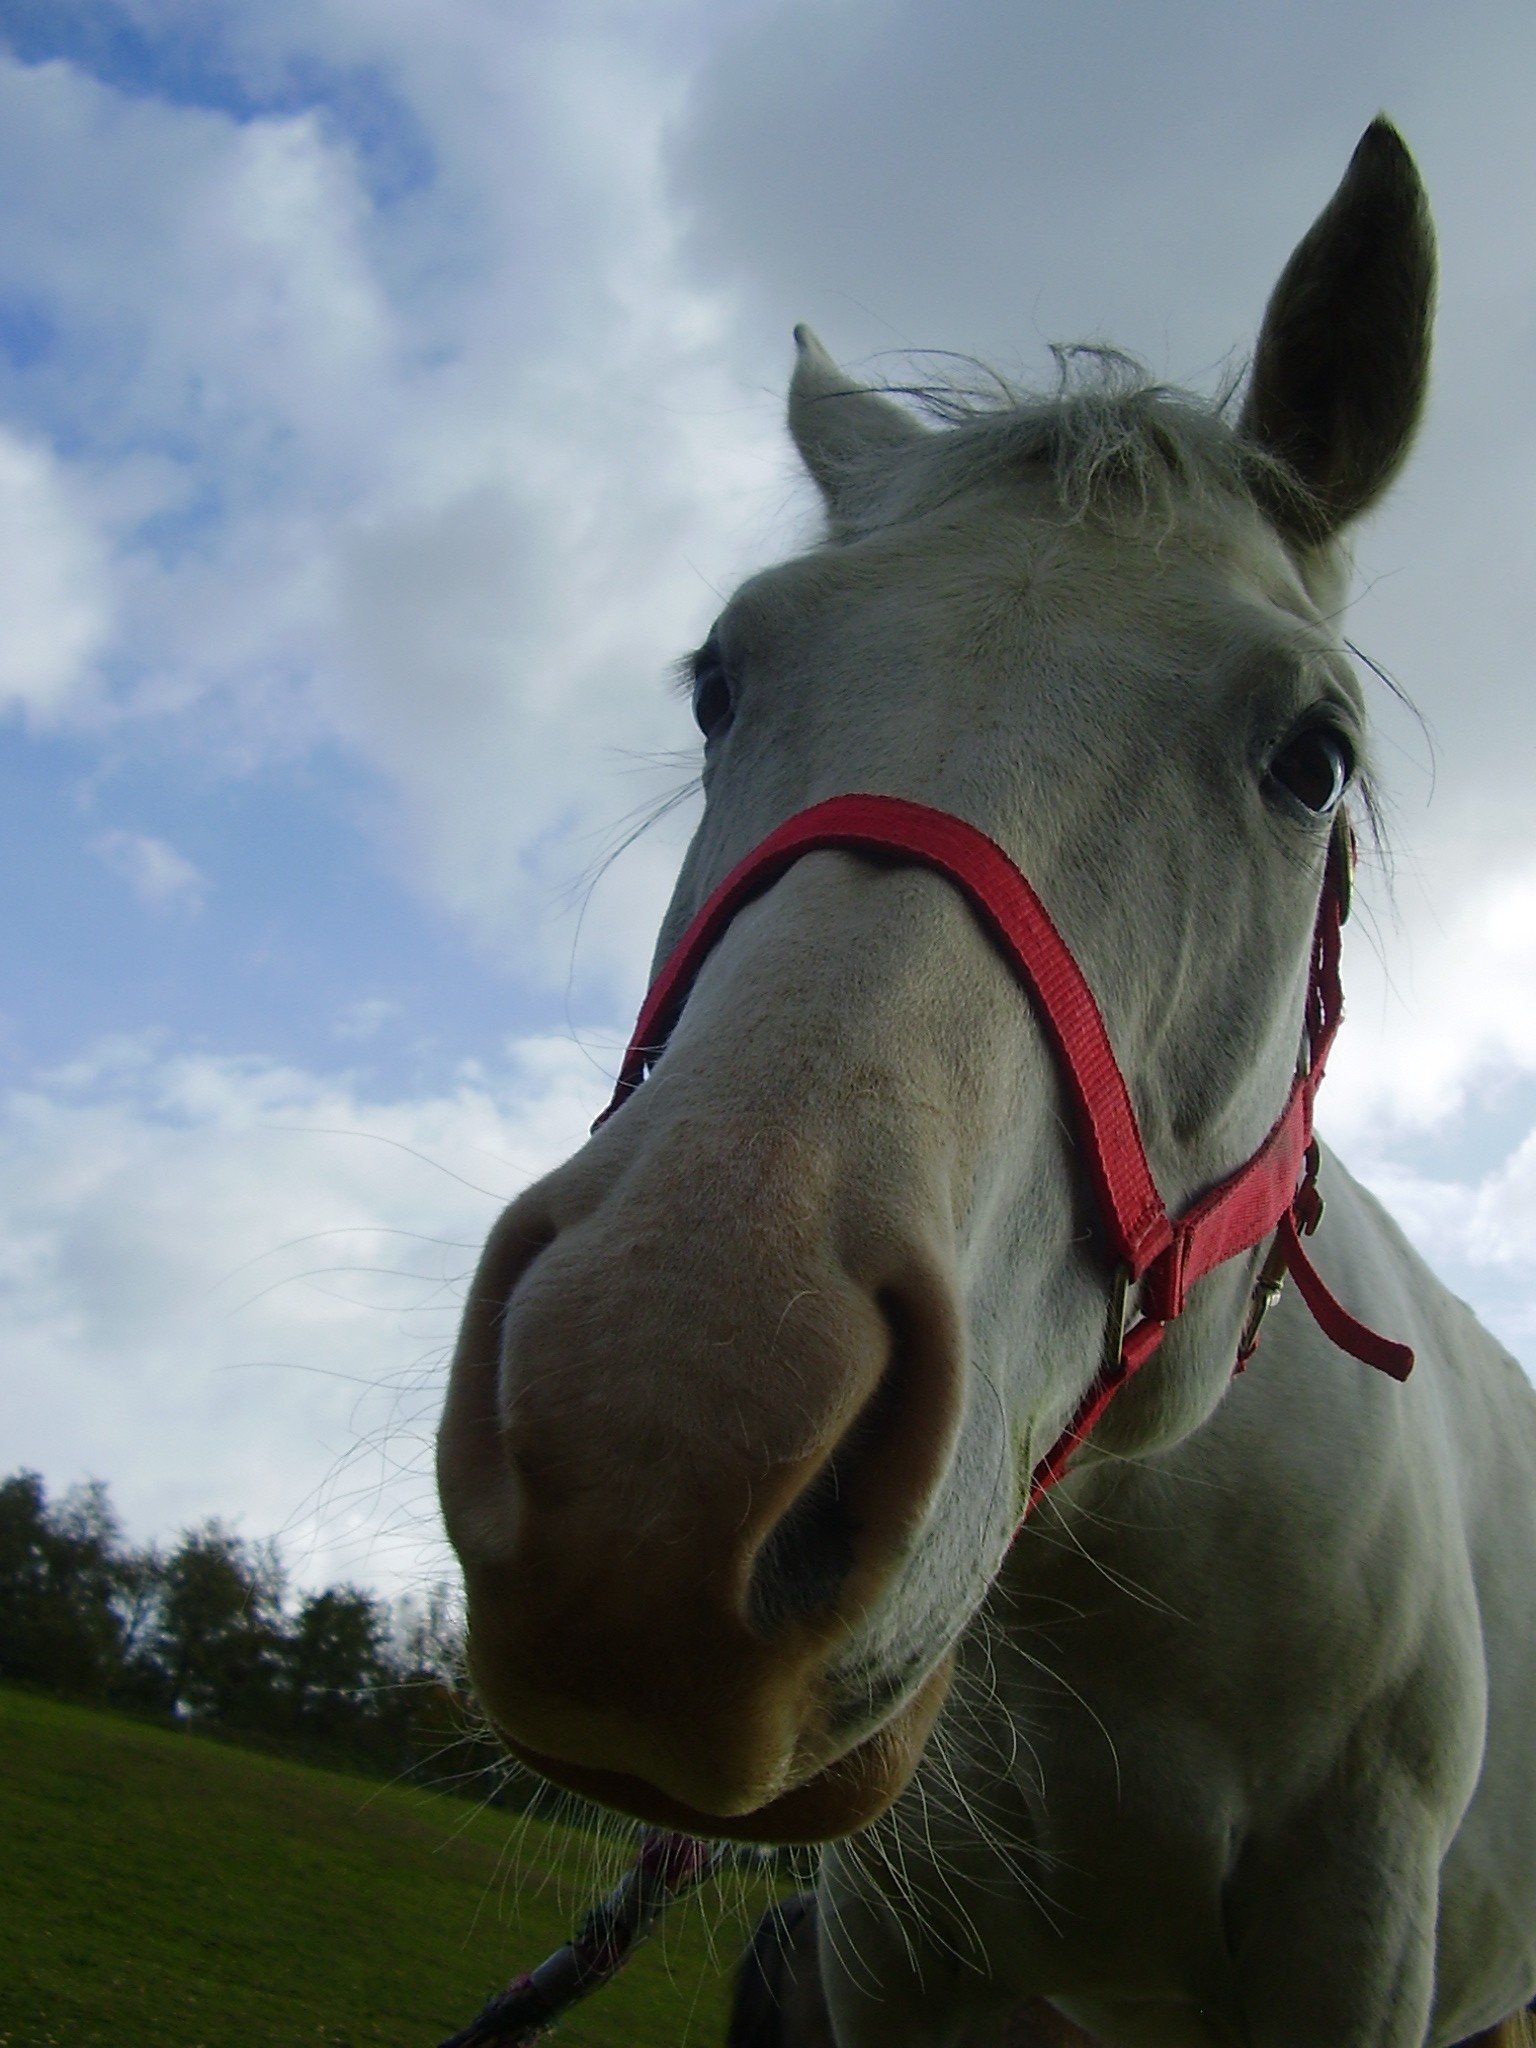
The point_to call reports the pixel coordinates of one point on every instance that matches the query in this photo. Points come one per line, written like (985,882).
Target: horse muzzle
(692,1436)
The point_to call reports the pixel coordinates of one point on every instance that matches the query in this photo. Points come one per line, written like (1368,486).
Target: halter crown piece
(1275,1190)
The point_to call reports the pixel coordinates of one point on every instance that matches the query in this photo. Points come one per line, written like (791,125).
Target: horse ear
(1342,362)
(836,423)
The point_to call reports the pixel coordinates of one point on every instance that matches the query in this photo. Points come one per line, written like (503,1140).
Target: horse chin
(834,1799)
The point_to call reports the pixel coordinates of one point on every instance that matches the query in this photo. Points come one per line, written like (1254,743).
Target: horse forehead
(996,583)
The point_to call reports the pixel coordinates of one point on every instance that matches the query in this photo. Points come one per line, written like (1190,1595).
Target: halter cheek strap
(1156,1259)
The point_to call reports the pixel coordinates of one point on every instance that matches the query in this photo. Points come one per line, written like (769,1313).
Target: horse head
(749,1391)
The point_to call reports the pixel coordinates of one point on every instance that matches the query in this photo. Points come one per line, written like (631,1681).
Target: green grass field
(159,1890)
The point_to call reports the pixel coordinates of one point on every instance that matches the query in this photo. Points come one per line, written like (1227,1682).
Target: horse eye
(1314,767)
(713,697)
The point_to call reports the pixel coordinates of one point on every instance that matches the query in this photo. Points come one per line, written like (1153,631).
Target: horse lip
(834,1799)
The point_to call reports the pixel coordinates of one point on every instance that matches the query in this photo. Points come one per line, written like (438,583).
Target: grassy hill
(160,1890)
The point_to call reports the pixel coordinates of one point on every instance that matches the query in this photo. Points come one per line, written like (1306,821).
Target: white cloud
(159,876)
(55,605)
(365,1018)
(1437,1004)
(1480,1236)
(208,276)
(231,1286)
(415,483)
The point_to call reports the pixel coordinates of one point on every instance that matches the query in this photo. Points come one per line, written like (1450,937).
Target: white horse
(1235,1742)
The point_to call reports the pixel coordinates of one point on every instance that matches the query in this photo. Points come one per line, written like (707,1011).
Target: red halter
(1276,1190)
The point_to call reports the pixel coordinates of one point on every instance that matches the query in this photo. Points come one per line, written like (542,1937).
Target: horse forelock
(1118,447)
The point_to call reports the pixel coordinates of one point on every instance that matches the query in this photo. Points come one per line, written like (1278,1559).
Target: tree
(63,1571)
(24,1574)
(141,1681)
(219,1636)
(337,1660)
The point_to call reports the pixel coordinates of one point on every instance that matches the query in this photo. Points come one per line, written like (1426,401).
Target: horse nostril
(865,1498)
(802,1567)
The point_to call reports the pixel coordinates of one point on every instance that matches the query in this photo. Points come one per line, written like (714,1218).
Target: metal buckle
(1344,840)
(1119,1320)
(1267,1290)
(1306,1213)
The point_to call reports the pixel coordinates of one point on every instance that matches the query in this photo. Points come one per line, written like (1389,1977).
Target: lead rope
(667,1869)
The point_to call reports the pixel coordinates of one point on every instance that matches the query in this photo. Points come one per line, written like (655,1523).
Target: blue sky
(386,397)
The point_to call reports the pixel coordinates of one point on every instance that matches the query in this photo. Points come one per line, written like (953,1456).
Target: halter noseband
(1275,1190)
